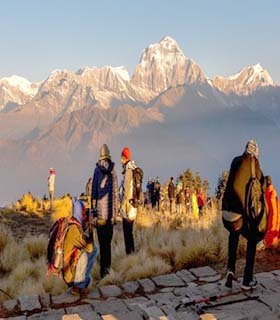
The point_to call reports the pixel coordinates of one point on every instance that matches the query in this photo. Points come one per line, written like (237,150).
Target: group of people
(107,200)
(153,193)
(183,196)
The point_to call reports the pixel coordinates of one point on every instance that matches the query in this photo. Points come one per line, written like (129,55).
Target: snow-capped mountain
(168,109)
(245,82)
(164,65)
(15,91)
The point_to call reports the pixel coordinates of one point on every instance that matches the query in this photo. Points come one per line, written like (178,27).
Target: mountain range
(169,112)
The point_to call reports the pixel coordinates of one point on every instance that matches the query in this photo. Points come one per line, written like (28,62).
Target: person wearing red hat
(129,212)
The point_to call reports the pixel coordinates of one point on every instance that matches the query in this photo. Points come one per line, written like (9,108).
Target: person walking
(130,197)
(51,186)
(171,194)
(105,204)
(235,216)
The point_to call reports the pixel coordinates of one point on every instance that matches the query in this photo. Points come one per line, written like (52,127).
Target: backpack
(137,180)
(56,244)
(256,209)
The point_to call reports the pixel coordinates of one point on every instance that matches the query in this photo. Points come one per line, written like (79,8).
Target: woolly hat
(126,153)
(252,148)
(104,153)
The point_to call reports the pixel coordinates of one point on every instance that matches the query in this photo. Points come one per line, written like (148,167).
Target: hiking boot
(250,286)
(229,279)
(79,291)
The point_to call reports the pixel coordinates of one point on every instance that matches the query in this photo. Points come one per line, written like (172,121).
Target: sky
(222,36)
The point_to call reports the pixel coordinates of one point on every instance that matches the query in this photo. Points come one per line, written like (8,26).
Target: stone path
(167,297)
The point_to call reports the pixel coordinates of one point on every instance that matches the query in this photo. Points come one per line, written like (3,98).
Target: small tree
(221,186)
(197,181)
(206,187)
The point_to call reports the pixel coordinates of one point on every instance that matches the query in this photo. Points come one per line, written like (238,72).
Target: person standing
(234,207)
(171,194)
(188,200)
(105,204)
(150,191)
(200,200)
(157,188)
(89,190)
(272,234)
(51,186)
(179,197)
(129,203)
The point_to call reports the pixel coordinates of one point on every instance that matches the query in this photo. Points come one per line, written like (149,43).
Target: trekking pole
(6,293)
(208,299)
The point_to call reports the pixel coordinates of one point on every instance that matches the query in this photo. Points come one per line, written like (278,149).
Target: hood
(106,166)
(130,165)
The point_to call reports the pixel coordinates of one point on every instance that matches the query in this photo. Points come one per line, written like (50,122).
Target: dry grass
(164,243)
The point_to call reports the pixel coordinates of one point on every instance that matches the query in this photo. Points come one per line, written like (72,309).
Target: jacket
(235,195)
(127,190)
(171,190)
(105,190)
(74,244)
(51,182)
(272,234)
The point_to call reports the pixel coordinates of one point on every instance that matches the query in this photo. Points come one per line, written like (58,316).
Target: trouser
(51,193)
(250,255)
(171,205)
(84,268)
(105,235)
(179,208)
(158,204)
(188,207)
(128,236)
(200,210)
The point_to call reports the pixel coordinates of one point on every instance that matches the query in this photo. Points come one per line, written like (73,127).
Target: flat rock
(203,272)
(169,280)
(130,287)
(29,303)
(110,291)
(131,315)
(94,294)
(110,306)
(10,305)
(147,284)
(210,279)
(186,276)
(207,316)
(163,298)
(48,315)
(45,300)
(85,312)
(152,312)
(168,289)
(276,272)
(134,301)
(65,298)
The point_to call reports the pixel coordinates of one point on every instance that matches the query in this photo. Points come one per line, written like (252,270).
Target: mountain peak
(163,65)
(246,81)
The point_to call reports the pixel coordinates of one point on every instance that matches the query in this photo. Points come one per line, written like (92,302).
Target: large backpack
(56,244)
(256,209)
(137,180)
